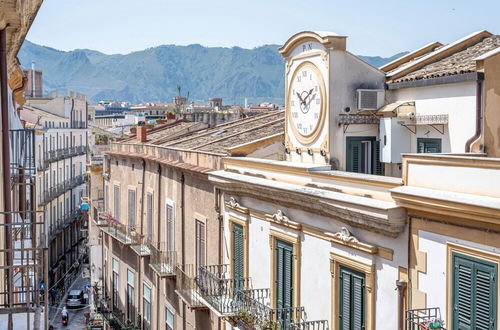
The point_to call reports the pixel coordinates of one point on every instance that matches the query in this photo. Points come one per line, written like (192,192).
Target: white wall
(458,101)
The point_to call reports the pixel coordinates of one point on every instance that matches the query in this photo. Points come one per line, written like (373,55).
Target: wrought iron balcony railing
(219,290)
(255,312)
(162,261)
(187,288)
(125,234)
(310,325)
(424,318)
(144,248)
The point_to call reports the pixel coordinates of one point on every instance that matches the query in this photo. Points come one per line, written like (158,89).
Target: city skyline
(99,25)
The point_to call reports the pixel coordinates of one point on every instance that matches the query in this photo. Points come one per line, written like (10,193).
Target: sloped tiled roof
(457,63)
(222,137)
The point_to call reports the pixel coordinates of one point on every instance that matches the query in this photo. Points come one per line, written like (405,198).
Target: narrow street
(76,315)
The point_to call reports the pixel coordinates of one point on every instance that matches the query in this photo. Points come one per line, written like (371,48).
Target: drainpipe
(401,287)
(182,247)
(479,117)
(141,263)
(220,218)
(6,165)
(158,245)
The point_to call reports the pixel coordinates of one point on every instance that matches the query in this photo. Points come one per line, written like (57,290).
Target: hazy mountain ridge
(151,75)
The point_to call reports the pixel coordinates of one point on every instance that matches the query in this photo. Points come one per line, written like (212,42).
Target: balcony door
(284,274)
(238,257)
(351,300)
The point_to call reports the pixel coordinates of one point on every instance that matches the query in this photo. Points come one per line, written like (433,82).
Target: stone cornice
(342,237)
(387,221)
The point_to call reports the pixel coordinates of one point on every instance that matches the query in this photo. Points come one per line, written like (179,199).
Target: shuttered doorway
(284,277)
(474,293)
(351,300)
(238,256)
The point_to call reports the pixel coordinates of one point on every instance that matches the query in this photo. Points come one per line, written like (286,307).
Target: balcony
(162,261)
(255,312)
(42,165)
(219,291)
(424,318)
(143,249)
(310,325)
(103,218)
(187,288)
(124,234)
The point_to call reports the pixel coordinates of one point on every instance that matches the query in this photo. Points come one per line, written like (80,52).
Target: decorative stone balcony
(187,288)
(218,290)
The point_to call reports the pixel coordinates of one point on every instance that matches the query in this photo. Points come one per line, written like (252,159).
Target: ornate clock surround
(312,137)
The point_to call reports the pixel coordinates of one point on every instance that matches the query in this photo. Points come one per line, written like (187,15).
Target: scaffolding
(23,252)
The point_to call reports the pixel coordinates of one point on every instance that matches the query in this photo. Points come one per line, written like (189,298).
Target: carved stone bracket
(345,236)
(281,219)
(233,204)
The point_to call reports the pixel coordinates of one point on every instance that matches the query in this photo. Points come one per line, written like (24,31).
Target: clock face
(306,100)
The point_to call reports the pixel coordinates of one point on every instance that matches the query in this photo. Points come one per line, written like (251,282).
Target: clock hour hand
(300,98)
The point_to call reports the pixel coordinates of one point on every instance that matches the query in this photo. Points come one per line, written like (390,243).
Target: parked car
(75,298)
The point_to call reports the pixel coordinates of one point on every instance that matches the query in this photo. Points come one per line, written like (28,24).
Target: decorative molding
(345,236)
(281,219)
(326,59)
(233,204)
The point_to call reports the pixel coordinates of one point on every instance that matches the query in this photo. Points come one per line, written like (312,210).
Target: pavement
(76,315)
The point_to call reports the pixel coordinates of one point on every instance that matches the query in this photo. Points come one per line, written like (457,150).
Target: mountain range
(152,75)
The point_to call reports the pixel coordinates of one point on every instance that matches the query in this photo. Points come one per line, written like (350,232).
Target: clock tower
(321,79)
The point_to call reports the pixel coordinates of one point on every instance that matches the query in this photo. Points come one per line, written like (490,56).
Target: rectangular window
(200,244)
(363,155)
(238,257)
(130,295)
(131,209)
(147,307)
(474,293)
(169,319)
(351,299)
(149,215)
(116,283)
(426,146)
(117,202)
(170,239)
(284,274)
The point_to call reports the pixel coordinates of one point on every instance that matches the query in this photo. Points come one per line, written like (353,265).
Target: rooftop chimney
(141,134)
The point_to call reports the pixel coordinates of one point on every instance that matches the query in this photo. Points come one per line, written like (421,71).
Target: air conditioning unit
(370,99)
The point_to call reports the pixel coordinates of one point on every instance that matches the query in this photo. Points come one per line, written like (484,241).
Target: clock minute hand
(305,98)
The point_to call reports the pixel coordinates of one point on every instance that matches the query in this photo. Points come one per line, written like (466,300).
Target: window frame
(169,326)
(200,251)
(146,317)
(170,226)
(429,140)
(233,220)
(294,240)
(474,253)
(374,154)
(336,262)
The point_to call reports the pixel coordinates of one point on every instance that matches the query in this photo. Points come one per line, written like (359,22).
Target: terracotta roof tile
(457,63)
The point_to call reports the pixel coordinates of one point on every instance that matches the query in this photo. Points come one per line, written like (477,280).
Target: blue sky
(382,27)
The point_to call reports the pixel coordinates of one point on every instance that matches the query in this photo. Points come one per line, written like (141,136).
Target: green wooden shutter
(378,166)
(238,256)
(351,300)
(474,293)
(284,275)
(353,155)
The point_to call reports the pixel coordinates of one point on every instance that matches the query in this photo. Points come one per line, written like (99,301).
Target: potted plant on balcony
(246,318)
(434,323)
